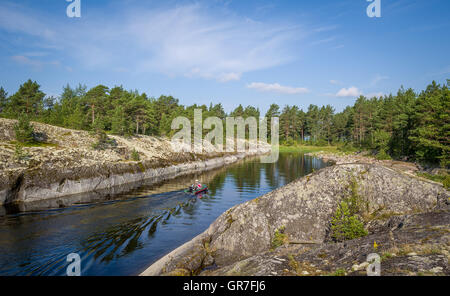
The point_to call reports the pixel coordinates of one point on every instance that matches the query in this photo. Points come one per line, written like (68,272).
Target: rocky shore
(407,167)
(403,166)
(67,165)
(406,221)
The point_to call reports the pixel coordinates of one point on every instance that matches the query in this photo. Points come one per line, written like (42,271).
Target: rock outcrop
(365,157)
(416,244)
(303,209)
(68,165)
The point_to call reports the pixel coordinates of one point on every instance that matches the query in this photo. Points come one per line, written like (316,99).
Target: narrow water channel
(125,235)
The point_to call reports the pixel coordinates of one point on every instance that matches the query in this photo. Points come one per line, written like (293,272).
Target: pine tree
(313,123)
(432,124)
(327,121)
(274,111)
(24,130)
(3,100)
(402,122)
(28,99)
(301,117)
(96,99)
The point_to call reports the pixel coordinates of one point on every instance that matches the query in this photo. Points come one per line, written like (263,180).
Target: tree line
(406,125)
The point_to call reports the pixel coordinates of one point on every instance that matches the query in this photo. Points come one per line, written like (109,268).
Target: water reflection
(122,236)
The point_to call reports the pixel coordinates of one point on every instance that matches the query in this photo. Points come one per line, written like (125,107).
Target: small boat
(204,188)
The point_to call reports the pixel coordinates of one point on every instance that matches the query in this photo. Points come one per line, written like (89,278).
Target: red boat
(204,188)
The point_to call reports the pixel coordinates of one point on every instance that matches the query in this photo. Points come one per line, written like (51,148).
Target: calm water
(124,236)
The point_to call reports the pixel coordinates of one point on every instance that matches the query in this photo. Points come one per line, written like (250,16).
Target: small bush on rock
(446,182)
(104,142)
(339,272)
(279,239)
(345,226)
(355,202)
(24,130)
(19,154)
(382,155)
(441,178)
(135,155)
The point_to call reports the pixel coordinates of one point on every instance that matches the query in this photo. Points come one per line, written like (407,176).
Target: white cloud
(376,94)
(20,59)
(36,64)
(229,77)
(338,46)
(325,28)
(349,92)
(355,92)
(15,18)
(275,87)
(378,78)
(334,81)
(187,40)
(35,54)
(321,41)
(443,71)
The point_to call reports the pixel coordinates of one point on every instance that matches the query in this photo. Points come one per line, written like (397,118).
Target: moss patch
(35,144)
(179,272)
(444,179)
(338,272)
(279,238)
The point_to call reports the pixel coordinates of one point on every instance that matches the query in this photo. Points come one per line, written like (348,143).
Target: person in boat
(195,186)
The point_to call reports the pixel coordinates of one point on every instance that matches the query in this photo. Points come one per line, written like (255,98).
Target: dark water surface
(125,236)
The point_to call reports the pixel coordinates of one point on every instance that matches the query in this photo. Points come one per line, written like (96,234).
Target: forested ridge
(408,125)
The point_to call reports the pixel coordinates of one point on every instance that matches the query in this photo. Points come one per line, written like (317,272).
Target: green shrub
(279,239)
(321,143)
(19,154)
(385,256)
(442,178)
(446,182)
(135,155)
(382,155)
(355,201)
(346,148)
(381,140)
(104,142)
(345,226)
(24,130)
(289,142)
(339,272)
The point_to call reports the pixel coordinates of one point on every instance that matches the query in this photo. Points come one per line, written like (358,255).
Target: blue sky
(235,52)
